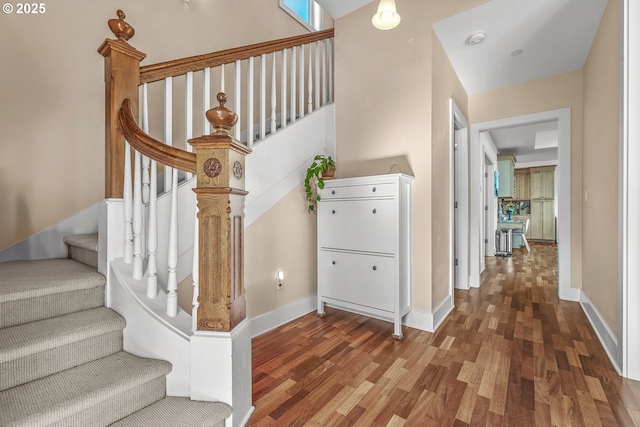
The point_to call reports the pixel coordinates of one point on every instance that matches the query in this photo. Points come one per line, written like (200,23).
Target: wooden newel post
(121,78)
(220,193)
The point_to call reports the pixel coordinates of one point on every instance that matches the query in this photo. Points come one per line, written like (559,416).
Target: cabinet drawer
(358,191)
(359,279)
(359,225)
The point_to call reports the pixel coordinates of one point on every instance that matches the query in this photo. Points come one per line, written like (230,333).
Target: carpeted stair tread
(41,289)
(84,241)
(169,411)
(27,279)
(68,397)
(44,347)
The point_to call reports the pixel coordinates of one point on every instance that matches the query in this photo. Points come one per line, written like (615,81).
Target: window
(307,12)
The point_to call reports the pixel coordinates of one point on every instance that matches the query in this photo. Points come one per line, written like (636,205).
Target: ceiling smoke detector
(477,38)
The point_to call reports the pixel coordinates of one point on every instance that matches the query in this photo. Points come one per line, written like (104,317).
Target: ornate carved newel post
(121,78)
(220,192)
(222,342)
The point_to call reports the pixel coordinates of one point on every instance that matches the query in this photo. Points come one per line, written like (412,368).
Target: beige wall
(600,173)
(559,91)
(445,85)
(52,86)
(383,93)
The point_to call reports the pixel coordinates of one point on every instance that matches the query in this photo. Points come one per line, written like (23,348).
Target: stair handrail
(162,70)
(151,147)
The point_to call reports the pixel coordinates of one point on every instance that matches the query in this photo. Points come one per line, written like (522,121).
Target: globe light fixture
(387,17)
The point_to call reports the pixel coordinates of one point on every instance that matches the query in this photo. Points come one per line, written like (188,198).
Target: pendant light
(387,17)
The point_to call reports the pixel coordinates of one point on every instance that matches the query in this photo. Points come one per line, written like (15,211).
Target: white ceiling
(531,143)
(554,35)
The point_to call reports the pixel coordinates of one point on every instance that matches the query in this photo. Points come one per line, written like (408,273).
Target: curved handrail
(150,147)
(162,70)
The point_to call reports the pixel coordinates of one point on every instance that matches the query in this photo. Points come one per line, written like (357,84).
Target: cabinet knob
(333,192)
(375,210)
(374,189)
(333,211)
(375,268)
(333,262)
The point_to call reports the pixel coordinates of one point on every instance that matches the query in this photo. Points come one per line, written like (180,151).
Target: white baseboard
(606,337)
(429,322)
(280,316)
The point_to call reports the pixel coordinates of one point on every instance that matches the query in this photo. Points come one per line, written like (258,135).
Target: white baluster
(301,83)
(263,95)
(152,236)
(196,273)
(250,103)
(168,126)
(274,126)
(145,160)
(283,90)
(317,50)
(188,113)
(237,98)
(206,100)
(324,72)
(137,217)
(128,207)
(172,262)
(222,78)
(310,84)
(294,68)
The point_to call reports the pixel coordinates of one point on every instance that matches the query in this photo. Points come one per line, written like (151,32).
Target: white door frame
(629,193)
(563,116)
(459,130)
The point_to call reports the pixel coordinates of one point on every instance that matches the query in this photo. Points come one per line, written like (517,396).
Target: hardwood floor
(510,354)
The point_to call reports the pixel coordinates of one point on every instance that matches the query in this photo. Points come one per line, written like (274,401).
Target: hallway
(510,354)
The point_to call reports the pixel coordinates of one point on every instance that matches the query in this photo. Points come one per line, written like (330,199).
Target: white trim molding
(282,315)
(429,322)
(606,337)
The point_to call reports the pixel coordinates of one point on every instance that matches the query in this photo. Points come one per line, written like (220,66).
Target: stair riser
(103,412)
(54,360)
(14,313)
(84,256)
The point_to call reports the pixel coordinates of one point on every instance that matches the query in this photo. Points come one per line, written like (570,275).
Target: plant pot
(328,173)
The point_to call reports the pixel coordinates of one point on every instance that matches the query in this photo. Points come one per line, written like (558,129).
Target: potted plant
(322,167)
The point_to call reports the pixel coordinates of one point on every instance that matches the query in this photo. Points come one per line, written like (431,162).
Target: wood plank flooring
(510,354)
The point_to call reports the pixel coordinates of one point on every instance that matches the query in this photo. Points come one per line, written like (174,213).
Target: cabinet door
(548,220)
(536,185)
(535,227)
(358,225)
(547,184)
(366,280)
(505,178)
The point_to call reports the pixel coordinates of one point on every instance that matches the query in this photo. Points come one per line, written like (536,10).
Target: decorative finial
(221,118)
(122,30)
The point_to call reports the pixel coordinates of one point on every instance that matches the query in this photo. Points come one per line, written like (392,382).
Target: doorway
(459,179)
(563,116)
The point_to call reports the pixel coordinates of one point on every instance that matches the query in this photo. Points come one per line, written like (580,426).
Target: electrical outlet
(280,281)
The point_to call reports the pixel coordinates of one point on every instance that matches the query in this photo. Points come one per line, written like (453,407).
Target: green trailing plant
(313,181)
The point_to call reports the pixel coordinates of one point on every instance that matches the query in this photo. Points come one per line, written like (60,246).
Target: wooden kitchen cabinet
(364,246)
(543,217)
(522,184)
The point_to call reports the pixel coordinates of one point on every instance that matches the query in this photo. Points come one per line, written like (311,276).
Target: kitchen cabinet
(543,217)
(364,246)
(522,184)
(543,220)
(506,167)
(542,182)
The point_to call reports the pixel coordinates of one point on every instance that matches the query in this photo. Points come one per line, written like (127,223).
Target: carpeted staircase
(61,358)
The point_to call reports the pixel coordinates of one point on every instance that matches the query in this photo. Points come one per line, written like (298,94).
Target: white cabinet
(506,182)
(364,246)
